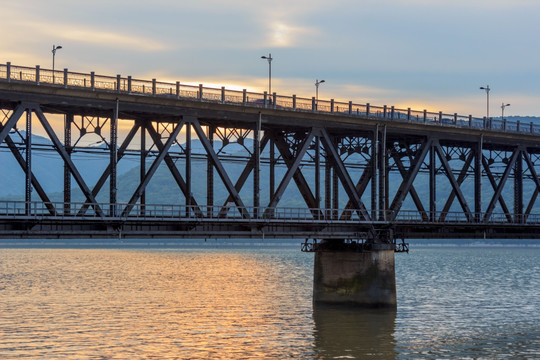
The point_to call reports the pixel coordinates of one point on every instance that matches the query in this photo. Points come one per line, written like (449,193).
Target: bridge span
(338,172)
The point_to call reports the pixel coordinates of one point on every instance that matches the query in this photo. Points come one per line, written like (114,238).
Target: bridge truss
(242,171)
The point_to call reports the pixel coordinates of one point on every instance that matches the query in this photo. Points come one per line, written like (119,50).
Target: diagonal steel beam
(298,177)
(413,192)
(174,170)
(501,184)
(244,175)
(290,173)
(361,186)
(67,160)
(453,182)
(35,183)
(344,176)
(12,121)
(460,179)
(494,186)
(106,173)
(153,168)
(408,180)
(218,166)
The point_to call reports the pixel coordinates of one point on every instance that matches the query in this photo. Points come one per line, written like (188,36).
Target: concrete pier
(357,278)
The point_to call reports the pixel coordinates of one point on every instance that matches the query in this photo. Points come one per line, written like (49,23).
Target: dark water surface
(453,302)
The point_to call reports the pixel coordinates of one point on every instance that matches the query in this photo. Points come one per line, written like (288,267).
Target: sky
(422,54)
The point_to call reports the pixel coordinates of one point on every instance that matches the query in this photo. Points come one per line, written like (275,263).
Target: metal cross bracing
(240,172)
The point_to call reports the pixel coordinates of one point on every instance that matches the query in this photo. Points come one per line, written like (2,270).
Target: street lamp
(54,48)
(317,83)
(269,58)
(487,92)
(502,110)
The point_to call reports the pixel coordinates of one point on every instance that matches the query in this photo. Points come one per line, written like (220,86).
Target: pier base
(357,278)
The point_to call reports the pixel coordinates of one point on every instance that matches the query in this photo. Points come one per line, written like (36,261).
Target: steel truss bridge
(308,169)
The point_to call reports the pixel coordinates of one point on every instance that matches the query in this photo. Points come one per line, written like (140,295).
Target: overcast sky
(423,54)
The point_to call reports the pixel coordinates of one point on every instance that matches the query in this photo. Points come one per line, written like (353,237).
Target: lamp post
(317,83)
(269,58)
(487,89)
(502,110)
(54,48)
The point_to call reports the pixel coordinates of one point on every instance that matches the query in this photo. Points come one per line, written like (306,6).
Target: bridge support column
(365,279)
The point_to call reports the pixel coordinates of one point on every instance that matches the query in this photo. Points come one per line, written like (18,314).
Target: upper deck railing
(128,85)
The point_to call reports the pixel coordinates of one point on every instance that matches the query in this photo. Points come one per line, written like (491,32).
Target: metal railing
(120,84)
(174,212)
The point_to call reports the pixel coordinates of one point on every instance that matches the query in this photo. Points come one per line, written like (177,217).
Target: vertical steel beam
(257,168)
(28,144)
(318,171)
(327,185)
(272,169)
(188,167)
(142,168)
(478,156)
(210,174)
(382,176)
(518,189)
(68,121)
(374,164)
(113,161)
(536,180)
(432,184)
(335,190)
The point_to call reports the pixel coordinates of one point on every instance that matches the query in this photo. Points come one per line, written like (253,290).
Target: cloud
(96,36)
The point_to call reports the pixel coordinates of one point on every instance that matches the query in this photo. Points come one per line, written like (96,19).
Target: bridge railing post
(517,126)
(408,114)
(470,120)
(440,117)
(129,84)
(178,89)
(265,100)
(118,79)
(65,78)
(8,71)
(425,116)
(153,86)
(223,94)
(455,118)
(37,74)
(294,102)
(274,99)
(350,107)
(244,96)
(331,105)
(93,80)
(532,128)
(367,109)
(385,108)
(392,112)
(200,92)
(313,104)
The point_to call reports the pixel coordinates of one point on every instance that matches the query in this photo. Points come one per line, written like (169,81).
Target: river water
(256,303)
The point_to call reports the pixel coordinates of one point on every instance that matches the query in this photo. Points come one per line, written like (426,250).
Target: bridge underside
(239,171)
